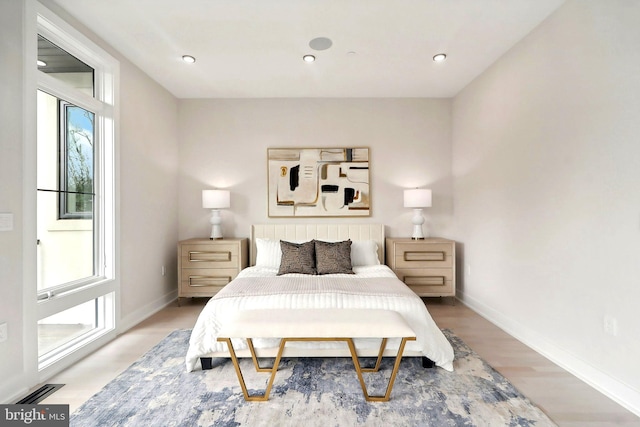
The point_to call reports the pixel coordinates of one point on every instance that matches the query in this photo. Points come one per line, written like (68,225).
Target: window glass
(66,238)
(66,327)
(76,162)
(63,66)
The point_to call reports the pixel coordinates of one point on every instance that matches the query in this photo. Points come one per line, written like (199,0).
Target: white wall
(546,164)
(148,195)
(223,144)
(11,135)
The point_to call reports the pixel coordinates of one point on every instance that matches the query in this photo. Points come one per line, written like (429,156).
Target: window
(66,227)
(75,207)
(76,162)
(65,328)
(64,67)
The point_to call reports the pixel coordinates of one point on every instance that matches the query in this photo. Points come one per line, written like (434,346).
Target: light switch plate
(6,221)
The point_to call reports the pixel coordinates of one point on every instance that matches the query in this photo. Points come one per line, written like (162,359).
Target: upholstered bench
(316,325)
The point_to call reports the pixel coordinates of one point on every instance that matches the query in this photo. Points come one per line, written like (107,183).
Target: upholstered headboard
(328,232)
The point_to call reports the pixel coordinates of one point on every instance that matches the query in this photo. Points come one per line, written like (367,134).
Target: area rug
(157,391)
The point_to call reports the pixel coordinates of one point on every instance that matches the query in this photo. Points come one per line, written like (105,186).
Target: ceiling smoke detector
(320,43)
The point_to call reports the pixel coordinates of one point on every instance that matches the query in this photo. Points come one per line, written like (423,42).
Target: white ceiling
(254,48)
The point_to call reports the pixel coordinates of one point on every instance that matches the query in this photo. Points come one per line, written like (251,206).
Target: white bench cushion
(316,323)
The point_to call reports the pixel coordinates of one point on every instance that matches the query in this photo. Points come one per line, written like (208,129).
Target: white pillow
(364,252)
(268,253)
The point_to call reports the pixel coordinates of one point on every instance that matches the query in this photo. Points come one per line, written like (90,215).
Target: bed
(371,285)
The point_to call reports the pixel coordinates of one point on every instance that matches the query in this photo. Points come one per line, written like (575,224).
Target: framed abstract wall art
(318,182)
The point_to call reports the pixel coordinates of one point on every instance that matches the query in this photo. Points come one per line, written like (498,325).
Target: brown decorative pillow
(333,257)
(297,258)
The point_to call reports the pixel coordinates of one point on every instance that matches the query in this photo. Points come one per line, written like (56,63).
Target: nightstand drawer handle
(198,281)
(213,256)
(425,280)
(425,256)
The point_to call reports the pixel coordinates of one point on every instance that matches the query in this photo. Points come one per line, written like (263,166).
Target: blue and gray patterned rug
(157,391)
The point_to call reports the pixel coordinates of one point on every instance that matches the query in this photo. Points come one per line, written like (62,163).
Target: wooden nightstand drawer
(426,266)
(411,255)
(203,277)
(432,278)
(207,256)
(425,276)
(206,266)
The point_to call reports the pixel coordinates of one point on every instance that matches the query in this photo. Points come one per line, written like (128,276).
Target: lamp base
(417,221)
(216,229)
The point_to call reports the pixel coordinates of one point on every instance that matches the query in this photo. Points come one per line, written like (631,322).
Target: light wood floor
(566,399)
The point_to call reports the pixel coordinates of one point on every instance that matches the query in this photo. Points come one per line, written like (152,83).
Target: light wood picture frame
(318,182)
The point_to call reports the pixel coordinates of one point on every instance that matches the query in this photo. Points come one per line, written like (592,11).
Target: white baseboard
(12,389)
(610,387)
(145,311)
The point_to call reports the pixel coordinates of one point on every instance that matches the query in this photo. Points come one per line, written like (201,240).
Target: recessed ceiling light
(188,59)
(439,57)
(308,58)
(41,63)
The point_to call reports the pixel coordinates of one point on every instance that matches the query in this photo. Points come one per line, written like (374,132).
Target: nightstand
(205,266)
(427,266)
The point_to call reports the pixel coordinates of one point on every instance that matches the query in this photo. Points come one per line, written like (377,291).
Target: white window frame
(104,284)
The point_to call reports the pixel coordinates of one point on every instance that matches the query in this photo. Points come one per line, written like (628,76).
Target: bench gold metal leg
(255,358)
(236,366)
(255,398)
(359,370)
(383,345)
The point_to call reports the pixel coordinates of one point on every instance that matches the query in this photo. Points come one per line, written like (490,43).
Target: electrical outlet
(164,270)
(6,221)
(4,333)
(610,325)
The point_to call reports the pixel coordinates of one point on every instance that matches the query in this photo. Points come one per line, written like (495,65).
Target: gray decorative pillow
(297,258)
(333,257)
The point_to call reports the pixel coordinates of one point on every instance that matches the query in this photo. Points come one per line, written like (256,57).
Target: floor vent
(40,394)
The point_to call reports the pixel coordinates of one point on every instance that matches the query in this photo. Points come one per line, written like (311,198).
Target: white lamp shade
(417,198)
(216,199)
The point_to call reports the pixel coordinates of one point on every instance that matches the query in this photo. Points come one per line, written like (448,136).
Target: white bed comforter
(371,287)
